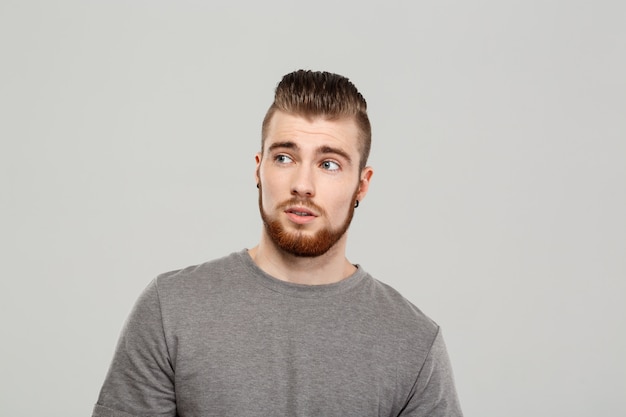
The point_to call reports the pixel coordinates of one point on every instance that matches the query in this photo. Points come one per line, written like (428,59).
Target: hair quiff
(312,94)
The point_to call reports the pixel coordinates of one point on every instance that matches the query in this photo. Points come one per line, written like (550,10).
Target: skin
(314,162)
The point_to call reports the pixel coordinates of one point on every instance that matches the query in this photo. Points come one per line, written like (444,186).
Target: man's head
(318,94)
(311,169)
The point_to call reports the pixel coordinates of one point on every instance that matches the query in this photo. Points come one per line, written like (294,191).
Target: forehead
(317,131)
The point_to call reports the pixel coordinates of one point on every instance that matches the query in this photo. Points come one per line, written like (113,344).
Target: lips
(300,215)
(299,211)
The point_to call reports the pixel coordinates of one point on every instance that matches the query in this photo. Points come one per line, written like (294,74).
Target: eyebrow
(330,150)
(322,150)
(286,145)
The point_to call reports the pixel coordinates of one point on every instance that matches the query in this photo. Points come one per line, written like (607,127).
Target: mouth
(300,214)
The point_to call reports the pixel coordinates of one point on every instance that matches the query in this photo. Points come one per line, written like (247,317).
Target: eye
(282,159)
(330,165)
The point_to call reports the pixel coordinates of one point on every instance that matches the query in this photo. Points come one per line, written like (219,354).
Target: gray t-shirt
(226,339)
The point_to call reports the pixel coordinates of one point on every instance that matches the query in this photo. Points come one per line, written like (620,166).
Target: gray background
(498,202)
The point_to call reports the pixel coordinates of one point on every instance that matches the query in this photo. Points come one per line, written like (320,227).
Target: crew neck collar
(299,290)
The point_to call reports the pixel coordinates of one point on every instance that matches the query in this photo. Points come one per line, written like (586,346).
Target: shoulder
(401,316)
(388,298)
(199,279)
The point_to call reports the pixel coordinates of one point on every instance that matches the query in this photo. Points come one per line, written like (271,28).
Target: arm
(434,393)
(140,380)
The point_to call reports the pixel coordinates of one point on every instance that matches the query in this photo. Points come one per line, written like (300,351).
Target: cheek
(343,202)
(270,190)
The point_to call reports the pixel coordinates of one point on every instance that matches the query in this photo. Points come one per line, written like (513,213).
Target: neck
(328,268)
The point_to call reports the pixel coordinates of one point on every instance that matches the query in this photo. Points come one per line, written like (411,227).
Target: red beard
(298,243)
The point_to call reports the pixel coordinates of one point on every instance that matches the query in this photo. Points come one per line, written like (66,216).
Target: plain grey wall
(128,130)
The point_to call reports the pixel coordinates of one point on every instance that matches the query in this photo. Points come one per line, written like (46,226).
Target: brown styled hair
(313,94)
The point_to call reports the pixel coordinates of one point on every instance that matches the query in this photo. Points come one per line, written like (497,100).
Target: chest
(297,359)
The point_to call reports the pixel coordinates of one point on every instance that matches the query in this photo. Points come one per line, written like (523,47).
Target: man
(289,327)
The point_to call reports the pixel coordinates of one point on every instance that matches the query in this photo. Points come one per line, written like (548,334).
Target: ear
(257,159)
(364,182)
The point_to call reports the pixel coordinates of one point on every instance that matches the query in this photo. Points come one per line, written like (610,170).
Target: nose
(302,185)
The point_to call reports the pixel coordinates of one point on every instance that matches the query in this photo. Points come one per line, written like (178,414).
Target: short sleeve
(140,380)
(434,393)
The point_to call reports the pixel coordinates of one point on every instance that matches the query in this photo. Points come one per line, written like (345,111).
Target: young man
(289,327)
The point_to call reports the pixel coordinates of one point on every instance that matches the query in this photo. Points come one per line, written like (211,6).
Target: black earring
(257,185)
(356,204)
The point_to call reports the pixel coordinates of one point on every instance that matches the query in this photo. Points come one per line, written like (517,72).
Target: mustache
(301,202)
